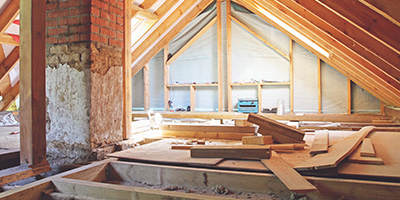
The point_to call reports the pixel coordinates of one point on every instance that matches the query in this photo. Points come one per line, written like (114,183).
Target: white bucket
(280,107)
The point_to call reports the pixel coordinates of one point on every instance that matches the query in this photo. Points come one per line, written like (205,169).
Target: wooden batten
(146,85)
(367,148)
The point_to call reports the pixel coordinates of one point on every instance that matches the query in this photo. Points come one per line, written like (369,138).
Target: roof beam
(192,40)
(136,9)
(8,15)
(259,37)
(370,21)
(343,59)
(388,9)
(9,63)
(7,39)
(348,34)
(9,97)
(174,23)
(148,4)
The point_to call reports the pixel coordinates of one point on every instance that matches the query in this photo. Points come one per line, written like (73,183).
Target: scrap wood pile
(291,139)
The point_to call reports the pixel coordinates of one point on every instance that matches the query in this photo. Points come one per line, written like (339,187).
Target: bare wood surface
(219,52)
(127,76)
(166,78)
(230,152)
(146,86)
(208,128)
(290,177)
(367,148)
(8,15)
(160,152)
(337,152)
(229,54)
(386,148)
(242,122)
(9,97)
(356,157)
(257,140)
(8,64)
(277,136)
(320,143)
(7,39)
(21,172)
(207,134)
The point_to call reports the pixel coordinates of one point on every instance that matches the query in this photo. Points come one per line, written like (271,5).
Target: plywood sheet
(320,143)
(387,147)
(160,152)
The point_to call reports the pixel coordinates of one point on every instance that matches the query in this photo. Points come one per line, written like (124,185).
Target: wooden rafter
(175,22)
(141,11)
(7,39)
(148,4)
(260,38)
(370,21)
(388,9)
(8,15)
(348,34)
(163,9)
(8,64)
(343,59)
(192,40)
(9,97)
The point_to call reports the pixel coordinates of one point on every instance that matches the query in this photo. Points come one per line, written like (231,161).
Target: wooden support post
(33,86)
(291,75)
(229,54)
(166,78)
(219,36)
(259,93)
(127,74)
(319,87)
(146,88)
(192,98)
(382,108)
(348,96)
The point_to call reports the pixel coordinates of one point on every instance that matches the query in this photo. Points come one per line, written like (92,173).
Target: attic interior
(200,99)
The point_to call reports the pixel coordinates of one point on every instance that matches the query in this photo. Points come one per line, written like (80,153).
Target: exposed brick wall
(85,20)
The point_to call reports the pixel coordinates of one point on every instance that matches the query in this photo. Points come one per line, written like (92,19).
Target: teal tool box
(248,105)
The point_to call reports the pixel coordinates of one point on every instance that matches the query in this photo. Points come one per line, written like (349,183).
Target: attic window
(140,24)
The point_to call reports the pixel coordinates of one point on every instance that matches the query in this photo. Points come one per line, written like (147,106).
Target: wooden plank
(198,115)
(257,140)
(229,54)
(355,157)
(9,97)
(127,76)
(259,99)
(277,136)
(208,128)
(367,148)
(337,152)
(320,143)
(166,78)
(120,192)
(146,86)
(275,126)
(32,80)
(260,38)
(291,74)
(143,12)
(21,172)
(349,96)
(210,135)
(319,87)
(149,46)
(230,152)
(219,51)
(8,64)
(182,147)
(290,177)
(192,98)
(192,40)
(7,39)
(385,8)
(242,122)
(8,15)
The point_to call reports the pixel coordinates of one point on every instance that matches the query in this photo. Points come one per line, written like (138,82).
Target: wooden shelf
(194,85)
(262,84)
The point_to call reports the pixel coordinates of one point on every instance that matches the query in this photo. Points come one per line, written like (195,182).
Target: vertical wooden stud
(166,78)
(382,108)
(127,74)
(259,90)
(219,36)
(33,86)
(348,96)
(229,53)
(146,87)
(291,75)
(319,87)
(192,98)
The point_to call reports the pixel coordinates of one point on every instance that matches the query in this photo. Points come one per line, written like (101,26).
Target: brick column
(84,77)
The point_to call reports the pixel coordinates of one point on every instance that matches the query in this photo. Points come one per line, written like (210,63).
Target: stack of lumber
(280,132)
(257,140)
(228,132)
(366,154)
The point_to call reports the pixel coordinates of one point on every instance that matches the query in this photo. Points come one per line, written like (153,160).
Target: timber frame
(95,180)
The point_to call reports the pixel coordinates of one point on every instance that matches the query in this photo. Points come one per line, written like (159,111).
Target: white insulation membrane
(252,61)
